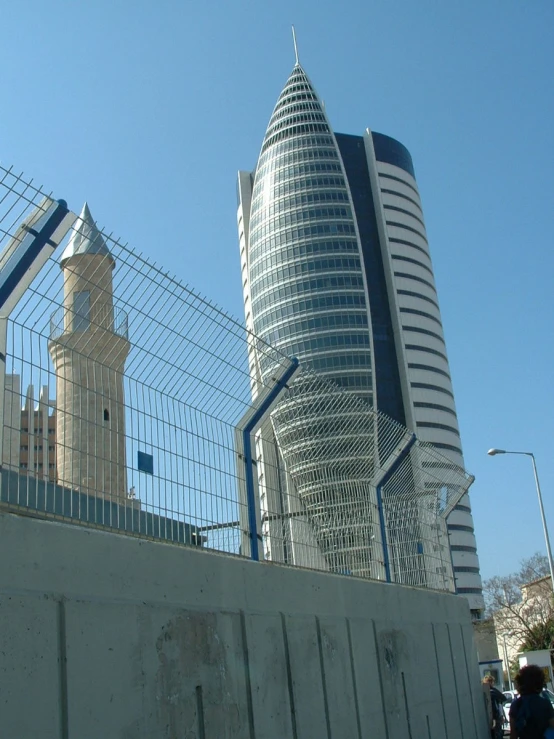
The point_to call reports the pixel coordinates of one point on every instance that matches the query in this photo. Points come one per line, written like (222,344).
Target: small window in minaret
(81,310)
(106,414)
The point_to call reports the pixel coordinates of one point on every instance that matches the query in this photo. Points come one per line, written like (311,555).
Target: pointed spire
(292,116)
(86,238)
(295,45)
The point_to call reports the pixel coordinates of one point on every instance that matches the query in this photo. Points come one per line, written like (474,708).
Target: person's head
(488,680)
(530,679)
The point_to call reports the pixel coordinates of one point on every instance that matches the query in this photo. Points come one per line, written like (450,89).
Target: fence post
(379,491)
(254,420)
(25,255)
(20,262)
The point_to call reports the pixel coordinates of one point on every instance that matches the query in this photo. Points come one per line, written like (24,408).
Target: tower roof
(86,238)
(298,110)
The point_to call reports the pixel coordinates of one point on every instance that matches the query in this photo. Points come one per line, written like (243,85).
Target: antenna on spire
(295,46)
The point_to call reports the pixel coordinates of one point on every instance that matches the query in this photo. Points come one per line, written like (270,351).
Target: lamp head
(492,452)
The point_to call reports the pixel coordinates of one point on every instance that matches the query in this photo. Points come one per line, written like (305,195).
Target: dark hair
(530,679)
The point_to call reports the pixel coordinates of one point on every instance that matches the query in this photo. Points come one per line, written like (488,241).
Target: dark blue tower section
(391,151)
(386,375)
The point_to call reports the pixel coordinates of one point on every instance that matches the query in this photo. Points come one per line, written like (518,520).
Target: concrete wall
(484,635)
(104,635)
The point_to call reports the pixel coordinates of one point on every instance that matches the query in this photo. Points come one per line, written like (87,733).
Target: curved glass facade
(308,298)
(305,273)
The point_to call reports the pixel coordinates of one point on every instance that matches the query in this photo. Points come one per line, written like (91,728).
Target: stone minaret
(89,346)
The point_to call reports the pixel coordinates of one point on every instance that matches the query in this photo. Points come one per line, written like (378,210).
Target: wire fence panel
(344,488)
(122,395)
(127,398)
(417,499)
(327,439)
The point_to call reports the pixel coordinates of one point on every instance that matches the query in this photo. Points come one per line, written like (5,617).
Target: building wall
(433,407)
(244,197)
(29,431)
(421,348)
(511,623)
(108,635)
(388,394)
(37,440)
(12,422)
(485,640)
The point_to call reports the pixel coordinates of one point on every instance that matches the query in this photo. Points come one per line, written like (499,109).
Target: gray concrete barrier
(107,635)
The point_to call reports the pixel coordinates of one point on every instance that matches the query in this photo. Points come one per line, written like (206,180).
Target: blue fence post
(454,584)
(383,532)
(25,254)
(22,259)
(270,398)
(379,491)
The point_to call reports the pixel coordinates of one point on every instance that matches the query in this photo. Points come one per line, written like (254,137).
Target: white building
(514,622)
(336,271)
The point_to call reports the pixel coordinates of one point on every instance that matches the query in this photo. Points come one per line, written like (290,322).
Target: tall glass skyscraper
(337,272)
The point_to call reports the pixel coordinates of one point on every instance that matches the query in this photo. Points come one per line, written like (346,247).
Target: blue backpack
(523,718)
(526,724)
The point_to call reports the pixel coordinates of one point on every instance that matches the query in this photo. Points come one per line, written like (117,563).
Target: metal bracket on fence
(20,262)
(249,423)
(25,255)
(379,492)
(470,481)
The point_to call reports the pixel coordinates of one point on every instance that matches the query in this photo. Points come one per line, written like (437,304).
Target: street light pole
(543,519)
(492,453)
(510,684)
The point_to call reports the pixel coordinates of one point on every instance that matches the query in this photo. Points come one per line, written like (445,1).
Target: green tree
(540,636)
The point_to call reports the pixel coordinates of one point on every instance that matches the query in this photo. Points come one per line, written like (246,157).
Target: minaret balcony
(65,321)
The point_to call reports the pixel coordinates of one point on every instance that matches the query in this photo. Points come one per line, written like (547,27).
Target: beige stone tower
(89,346)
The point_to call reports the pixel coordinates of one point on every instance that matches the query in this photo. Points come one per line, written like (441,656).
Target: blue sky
(147,110)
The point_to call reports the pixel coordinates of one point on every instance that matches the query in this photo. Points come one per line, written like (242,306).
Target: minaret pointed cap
(86,238)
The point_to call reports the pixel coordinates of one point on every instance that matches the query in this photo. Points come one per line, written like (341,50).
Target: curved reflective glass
(308,299)
(306,285)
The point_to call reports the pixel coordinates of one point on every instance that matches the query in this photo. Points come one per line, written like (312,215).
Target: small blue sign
(145,463)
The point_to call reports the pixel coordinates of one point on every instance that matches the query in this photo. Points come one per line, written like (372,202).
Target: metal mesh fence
(346,489)
(326,438)
(417,498)
(125,402)
(132,386)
